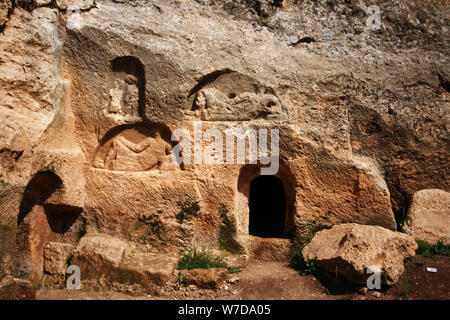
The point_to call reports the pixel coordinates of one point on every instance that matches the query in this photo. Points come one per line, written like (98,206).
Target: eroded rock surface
(56,257)
(101,256)
(5,9)
(16,289)
(89,102)
(204,278)
(428,216)
(352,249)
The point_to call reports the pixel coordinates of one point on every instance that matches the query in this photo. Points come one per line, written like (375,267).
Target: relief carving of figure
(150,153)
(124,97)
(211,104)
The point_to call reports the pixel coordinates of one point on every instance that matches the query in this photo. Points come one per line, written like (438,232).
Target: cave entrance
(267,204)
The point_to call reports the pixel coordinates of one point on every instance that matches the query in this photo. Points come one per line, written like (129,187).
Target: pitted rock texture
(75,4)
(56,257)
(352,249)
(89,101)
(5,9)
(428,216)
(210,278)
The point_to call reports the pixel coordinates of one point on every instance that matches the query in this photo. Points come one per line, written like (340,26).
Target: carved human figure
(111,156)
(124,155)
(131,96)
(116,96)
(212,104)
(124,96)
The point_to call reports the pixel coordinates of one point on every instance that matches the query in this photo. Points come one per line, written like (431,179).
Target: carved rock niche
(126,89)
(227,95)
(141,147)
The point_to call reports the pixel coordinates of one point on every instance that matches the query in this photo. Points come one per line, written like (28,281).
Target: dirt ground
(418,283)
(278,281)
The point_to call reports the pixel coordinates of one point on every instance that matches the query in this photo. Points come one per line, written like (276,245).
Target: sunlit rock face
(93,96)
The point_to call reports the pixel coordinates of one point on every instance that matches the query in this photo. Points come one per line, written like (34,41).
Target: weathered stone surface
(16,289)
(33,235)
(56,256)
(269,249)
(204,278)
(43,2)
(99,255)
(10,197)
(30,88)
(428,217)
(75,4)
(93,104)
(5,7)
(351,249)
(147,269)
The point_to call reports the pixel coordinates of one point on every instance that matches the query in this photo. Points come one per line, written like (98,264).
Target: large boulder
(99,255)
(352,249)
(428,216)
(147,269)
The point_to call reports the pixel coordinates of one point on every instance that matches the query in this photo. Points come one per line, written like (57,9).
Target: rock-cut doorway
(267,204)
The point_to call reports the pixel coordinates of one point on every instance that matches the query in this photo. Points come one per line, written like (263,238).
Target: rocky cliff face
(92,92)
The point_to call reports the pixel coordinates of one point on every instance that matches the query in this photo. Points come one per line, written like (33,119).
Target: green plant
(297,260)
(232,270)
(311,266)
(203,259)
(421,263)
(431,250)
(180,279)
(307,266)
(188,209)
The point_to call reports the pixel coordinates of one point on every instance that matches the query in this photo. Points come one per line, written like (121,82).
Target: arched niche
(136,147)
(126,88)
(251,173)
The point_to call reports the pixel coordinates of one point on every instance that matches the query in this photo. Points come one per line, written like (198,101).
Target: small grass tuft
(421,263)
(297,260)
(307,266)
(202,259)
(311,266)
(431,250)
(180,279)
(232,270)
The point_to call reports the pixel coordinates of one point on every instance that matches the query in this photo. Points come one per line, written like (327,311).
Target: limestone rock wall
(90,98)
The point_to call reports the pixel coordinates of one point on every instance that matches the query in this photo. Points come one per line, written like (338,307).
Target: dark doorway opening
(267,207)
